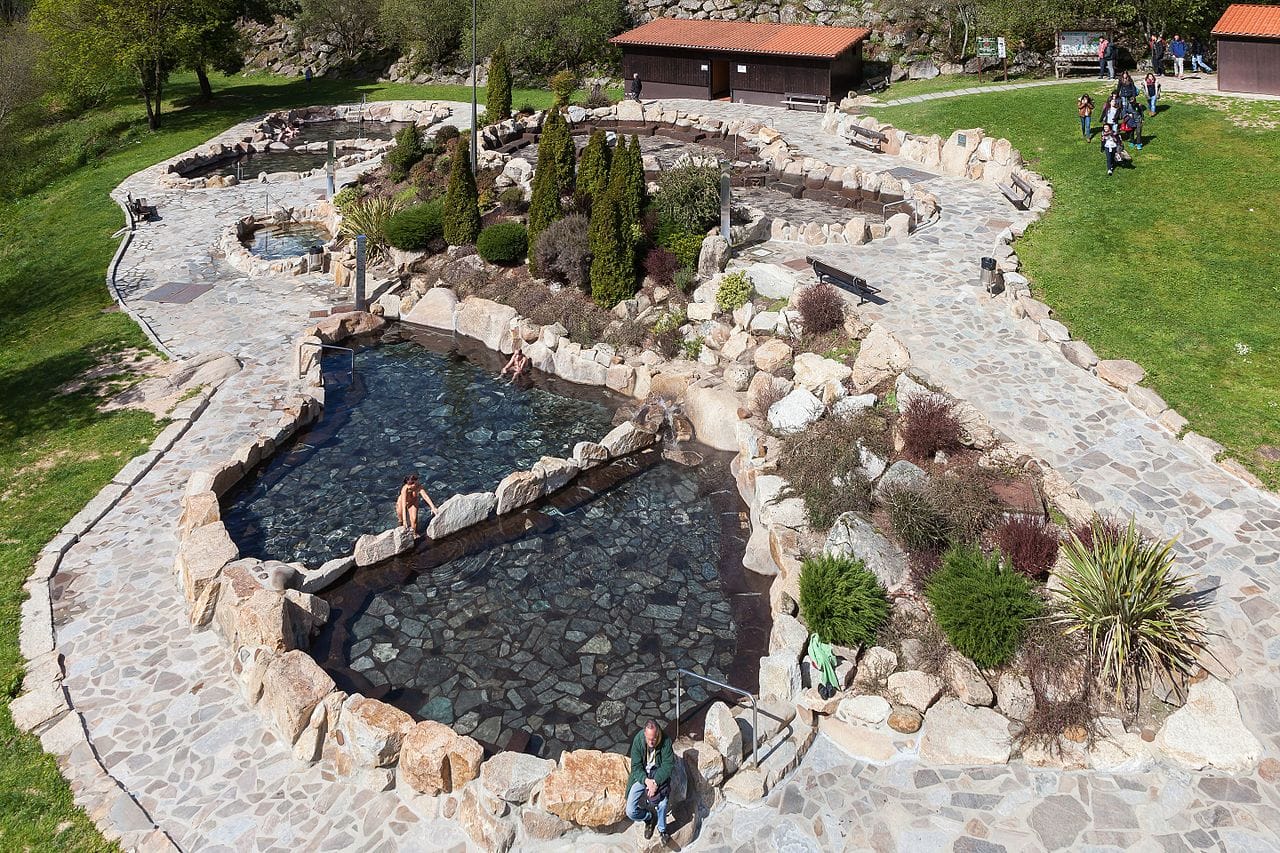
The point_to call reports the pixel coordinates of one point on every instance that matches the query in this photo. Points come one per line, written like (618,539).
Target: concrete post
(359,286)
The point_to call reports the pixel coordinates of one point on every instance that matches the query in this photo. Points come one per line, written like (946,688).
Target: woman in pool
(519,362)
(407,503)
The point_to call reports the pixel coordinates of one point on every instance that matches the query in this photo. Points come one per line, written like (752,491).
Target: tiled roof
(745,37)
(1243,19)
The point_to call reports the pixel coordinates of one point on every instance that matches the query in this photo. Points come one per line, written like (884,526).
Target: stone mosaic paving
(159,704)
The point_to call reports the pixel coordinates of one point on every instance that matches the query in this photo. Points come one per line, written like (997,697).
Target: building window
(742,69)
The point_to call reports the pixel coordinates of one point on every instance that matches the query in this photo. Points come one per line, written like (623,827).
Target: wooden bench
(872,140)
(139,209)
(1018,192)
(843,280)
(797,99)
(875,84)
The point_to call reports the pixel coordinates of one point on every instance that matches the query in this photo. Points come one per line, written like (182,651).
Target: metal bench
(797,99)
(1018,192)
(872,140)
(845,281)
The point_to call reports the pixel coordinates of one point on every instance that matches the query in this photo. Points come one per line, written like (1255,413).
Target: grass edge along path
(57,320)
(1169,263)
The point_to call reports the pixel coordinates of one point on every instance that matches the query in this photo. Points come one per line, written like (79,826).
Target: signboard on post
(987,47)
(1003,53)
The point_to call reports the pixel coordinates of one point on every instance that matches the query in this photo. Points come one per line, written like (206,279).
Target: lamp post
(475,65)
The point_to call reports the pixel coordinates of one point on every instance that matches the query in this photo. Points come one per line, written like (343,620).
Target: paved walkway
(976,90)
(1123,463)
(162,710)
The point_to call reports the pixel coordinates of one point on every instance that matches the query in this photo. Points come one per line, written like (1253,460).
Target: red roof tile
(1243,19)
(745,37)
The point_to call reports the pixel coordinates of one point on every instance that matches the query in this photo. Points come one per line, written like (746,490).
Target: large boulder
(780,676)
(490,831)
(864,710)
(373,548)
(556,473)
(822,376)
(626,438)
(772,355)
(915,689)
(372,730)
(518,489)
(721,733)
(880,357)
(459,512)
(589,788)
(713,257)
(487,321)
(291,688)
(901,475)
(713,412)
(1207,732)
(512,776)
(436,309)
(960,734)
(795,411)
(966,682)
(854,536)
(1014,696)
(202,554)
(434,759)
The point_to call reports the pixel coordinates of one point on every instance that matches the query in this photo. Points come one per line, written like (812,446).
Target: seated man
(650,780)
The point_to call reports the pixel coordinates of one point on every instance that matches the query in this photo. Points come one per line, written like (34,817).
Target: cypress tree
(497,103)
(593,168)
(635,181)
(544,202)
(461,201)
(557,142)
(612,260)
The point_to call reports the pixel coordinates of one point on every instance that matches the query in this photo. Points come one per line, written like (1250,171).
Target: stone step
(775,716)
(778,757)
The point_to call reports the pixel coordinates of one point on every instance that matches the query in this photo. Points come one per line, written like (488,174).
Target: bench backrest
(1021,184)
(868,132)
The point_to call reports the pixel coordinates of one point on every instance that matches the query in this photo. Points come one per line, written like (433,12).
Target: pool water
(413,406)
(262,161)
(563,631)
(277,241)
(339,129)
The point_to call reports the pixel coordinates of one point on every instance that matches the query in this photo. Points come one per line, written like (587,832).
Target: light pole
(475,65)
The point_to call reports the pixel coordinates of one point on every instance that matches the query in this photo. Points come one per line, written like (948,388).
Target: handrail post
(755,715)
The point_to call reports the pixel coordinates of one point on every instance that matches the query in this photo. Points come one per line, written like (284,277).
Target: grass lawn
(57,450)
(1171,263)
(949,83)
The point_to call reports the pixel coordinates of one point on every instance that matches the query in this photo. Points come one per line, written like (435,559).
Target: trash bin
(992,280)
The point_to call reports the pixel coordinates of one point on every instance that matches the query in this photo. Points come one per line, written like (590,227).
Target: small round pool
(277,241)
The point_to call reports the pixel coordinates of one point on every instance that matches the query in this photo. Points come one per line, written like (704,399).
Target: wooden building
(746,62)
(1249,49)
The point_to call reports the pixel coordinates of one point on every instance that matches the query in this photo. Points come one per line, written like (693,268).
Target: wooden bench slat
(843,280)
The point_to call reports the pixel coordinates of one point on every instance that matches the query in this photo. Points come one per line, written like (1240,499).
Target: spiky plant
(1139,617)
(368,216)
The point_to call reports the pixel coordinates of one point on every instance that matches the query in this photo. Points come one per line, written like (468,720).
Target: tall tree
(497,103)
(461,200)
(626,182)
(350,25)
(557,142)
(429,31)
(593,168)
(552,34)
(613,273)
(20,82)
(544,201)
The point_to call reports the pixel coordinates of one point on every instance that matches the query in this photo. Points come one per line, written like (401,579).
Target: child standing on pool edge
(407,503)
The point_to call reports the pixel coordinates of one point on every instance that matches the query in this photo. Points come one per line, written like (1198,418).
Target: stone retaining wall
(239,256)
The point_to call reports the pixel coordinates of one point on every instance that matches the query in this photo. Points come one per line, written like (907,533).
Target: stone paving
(161,710)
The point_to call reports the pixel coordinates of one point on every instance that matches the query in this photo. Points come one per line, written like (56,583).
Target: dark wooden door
(720,87)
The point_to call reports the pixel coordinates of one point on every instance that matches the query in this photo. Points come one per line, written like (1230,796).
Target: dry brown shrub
(929,425)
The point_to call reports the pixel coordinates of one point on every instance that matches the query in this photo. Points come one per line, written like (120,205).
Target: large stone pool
(418,405)
(562,628)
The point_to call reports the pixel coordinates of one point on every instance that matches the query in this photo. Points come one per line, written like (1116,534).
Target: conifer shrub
(497,105)
(983,608)
(593,167)
(689,196)
(408,150)
(417,228)
(735,291)
(461,201)
(841,600)
(612,265)
(503,243)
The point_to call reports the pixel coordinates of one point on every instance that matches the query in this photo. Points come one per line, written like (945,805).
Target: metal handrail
(898,202)
(755,711)
(324,347)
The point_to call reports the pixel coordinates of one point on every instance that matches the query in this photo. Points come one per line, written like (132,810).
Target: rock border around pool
(241,258)
(426,114)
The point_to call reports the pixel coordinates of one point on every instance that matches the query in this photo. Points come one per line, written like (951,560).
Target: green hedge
(503,243)
(415,228)
(841,600)
(983,608)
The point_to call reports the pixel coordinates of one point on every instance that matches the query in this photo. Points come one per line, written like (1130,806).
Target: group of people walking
(1122,117)
(1177,48)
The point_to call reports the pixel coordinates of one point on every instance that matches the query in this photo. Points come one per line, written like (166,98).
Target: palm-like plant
(368,216)
(1139,617)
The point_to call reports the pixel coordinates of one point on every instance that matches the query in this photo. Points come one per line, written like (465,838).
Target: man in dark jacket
(650,782)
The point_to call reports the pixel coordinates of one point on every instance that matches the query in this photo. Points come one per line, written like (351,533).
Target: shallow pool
(248,166)
(276,241)
(340,129)
(563,628)
(412,406)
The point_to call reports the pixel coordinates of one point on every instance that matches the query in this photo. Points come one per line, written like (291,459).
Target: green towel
(823,658)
